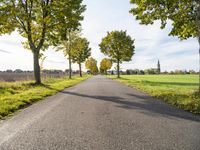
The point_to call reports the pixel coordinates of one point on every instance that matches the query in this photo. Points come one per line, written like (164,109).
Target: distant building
(52,71)
(9,71)
(18,71)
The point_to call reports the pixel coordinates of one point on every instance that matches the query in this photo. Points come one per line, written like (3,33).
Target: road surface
(100,114)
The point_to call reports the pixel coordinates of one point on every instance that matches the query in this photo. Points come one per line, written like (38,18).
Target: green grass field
(177,90)
(16,95)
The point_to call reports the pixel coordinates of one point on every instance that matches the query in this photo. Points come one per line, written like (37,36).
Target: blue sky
(101,16)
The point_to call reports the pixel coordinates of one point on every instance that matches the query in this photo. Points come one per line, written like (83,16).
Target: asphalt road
(100,114)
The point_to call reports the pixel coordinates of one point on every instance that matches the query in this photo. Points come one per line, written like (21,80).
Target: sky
(101,16)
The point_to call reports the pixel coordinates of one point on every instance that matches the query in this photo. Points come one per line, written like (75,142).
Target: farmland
(29,75)
(176,90)
(16,95)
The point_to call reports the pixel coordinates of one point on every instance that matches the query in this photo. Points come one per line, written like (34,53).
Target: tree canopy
(67,19)
(182,13)
(80,50)
(105,65)
(66,45)
(91,64)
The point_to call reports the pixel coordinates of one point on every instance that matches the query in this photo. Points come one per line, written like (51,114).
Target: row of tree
(76,49)
(117,45)
(105,65)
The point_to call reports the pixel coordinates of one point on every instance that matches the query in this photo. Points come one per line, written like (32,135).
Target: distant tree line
(106,65)
(45,71)
(153,71)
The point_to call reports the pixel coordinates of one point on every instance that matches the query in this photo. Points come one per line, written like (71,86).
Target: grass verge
(17,95)
(176,90)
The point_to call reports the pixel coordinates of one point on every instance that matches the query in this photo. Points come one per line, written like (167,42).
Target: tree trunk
(199,63)
(80,70)
(118,71)
(198,36)
(69,54)
(36,67)
(70,66)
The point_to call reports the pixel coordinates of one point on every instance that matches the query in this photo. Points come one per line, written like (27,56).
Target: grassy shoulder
(177,90)
(17,95)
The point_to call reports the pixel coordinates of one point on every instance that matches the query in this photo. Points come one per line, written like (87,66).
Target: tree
(105,65)
(66,47)
(32,20)
(184,14)
(35,20)
(80,51)
(91,64)
(68,26)
(151,71)
(118,46)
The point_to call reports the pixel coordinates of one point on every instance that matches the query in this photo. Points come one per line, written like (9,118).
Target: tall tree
(36,20)
(66,47)
(32,20)
(91,64)
(68,24)
(184,14)
(105,65)
(80,52)
(118,46)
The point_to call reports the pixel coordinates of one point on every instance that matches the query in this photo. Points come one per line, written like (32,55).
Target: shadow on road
(145,104)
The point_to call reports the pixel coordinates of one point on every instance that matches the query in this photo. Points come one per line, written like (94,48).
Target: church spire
(158,67)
